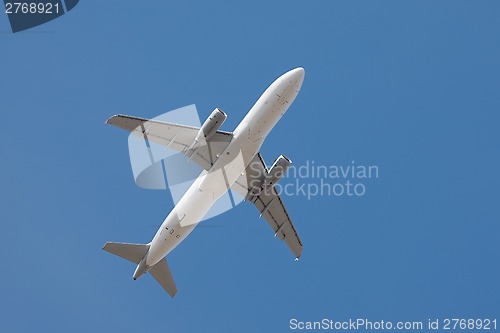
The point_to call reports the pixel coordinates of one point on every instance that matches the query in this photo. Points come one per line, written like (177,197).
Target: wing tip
(108,121)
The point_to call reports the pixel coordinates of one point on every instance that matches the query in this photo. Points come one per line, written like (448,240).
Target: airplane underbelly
(194,205)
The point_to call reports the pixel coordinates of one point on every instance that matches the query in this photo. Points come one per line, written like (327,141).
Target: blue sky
(411,87)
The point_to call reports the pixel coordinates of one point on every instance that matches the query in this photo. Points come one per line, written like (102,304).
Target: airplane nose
(297,74)
(299,71)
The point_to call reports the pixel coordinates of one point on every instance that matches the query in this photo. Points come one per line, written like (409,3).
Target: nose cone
(298,72)
(297,75)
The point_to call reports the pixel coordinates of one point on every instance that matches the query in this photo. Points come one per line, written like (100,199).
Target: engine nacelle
(277,171)
(210,126)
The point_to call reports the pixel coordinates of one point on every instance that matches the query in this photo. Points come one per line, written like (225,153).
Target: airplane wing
(176,137)
(269,204)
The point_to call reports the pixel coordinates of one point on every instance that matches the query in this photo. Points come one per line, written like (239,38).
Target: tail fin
(131,252)
(161,273)
(135,253)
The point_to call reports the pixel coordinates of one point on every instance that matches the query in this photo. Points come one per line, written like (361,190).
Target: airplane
(230,160)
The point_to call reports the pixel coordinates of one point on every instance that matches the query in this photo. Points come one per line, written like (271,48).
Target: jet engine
(277,171)
(210,126)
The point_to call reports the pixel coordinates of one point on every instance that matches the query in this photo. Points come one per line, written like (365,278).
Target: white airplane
(229,161)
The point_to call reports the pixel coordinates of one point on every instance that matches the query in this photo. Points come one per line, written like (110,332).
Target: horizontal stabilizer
(161,273)
(131,252)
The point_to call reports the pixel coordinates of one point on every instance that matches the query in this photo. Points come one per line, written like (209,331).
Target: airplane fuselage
(212,184)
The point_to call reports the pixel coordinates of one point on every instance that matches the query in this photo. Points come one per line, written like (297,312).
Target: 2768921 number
(31,8)
(469,324)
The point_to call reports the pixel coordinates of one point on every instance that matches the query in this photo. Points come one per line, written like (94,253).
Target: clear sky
(409,86)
